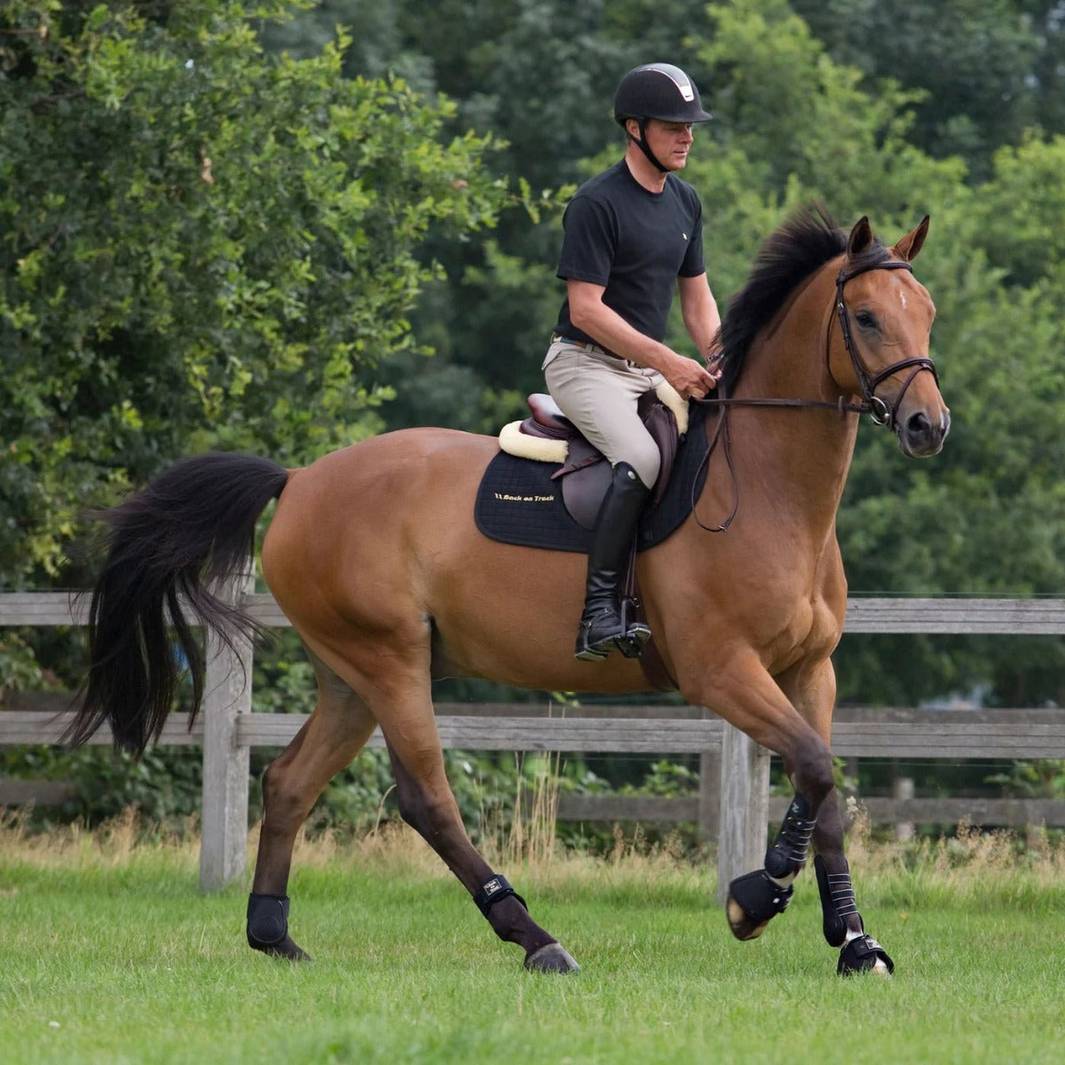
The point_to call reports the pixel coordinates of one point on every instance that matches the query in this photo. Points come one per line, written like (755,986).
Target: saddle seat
(549,436)
(547,419)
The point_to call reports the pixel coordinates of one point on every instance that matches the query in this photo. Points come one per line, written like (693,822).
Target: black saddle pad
(518,503)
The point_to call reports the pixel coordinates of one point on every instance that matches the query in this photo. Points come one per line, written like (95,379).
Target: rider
(630,234)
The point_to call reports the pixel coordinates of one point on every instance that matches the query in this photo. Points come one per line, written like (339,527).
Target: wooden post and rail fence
(733,803)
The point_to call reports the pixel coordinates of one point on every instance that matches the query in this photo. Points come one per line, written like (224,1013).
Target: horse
(373,555)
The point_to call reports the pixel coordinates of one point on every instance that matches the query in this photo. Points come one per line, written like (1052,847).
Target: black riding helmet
(657,90)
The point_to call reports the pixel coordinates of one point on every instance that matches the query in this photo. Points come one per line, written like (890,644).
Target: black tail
(189,529)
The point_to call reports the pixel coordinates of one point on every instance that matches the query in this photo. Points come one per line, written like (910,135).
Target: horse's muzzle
(921,436)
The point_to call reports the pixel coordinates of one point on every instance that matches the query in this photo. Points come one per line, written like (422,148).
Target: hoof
(864,955)
(553,958)
(753,900)
(285,948)
(742,926)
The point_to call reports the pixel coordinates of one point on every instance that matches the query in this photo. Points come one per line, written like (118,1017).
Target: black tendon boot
(603,628)
(268,927)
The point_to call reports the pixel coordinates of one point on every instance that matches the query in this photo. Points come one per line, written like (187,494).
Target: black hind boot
(268,927)
(603,625)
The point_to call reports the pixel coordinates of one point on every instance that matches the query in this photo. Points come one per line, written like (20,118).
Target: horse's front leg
(746,696)
(813,690)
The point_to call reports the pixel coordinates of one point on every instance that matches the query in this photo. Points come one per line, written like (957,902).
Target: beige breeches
(598,393)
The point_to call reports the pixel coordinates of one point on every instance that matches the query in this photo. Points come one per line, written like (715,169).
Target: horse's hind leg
(428,805)
(400,698)
(335,732)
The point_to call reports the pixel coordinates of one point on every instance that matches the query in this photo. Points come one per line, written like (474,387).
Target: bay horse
(373,555)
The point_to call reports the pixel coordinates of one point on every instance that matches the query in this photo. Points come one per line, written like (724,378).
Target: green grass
(109,954)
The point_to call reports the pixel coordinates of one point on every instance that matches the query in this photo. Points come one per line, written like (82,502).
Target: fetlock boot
(604,627)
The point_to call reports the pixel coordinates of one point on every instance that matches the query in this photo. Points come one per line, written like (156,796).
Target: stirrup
(630,639)
(637,633)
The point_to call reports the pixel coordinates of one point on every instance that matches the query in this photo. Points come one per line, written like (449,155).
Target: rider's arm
(699,309)
(591,315)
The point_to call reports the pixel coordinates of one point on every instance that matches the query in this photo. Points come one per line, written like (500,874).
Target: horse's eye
(866,320)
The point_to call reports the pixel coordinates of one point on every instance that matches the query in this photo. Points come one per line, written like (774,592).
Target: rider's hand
(689,378)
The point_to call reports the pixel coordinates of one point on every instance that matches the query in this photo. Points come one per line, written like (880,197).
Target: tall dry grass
(971,864)
(113,845)
(968,865)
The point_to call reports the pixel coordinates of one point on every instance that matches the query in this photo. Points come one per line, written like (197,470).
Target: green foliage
(986,516)
(203,245)
(1041,779)
(888,109)
(540,74)
(164,786)
(989,69)
(667,779)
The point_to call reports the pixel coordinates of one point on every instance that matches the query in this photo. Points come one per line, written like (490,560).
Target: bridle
(880,411)
(872,404)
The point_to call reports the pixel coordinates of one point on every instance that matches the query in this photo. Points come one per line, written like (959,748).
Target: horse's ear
(861,237)
(907,247)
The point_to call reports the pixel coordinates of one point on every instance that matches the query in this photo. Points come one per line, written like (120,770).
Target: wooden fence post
(227,693)
(709,791)
(902,791)
(743,836)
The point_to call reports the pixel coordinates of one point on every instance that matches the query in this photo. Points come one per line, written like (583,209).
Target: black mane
(803,243)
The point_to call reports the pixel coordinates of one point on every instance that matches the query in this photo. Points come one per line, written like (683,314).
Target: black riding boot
(603,626)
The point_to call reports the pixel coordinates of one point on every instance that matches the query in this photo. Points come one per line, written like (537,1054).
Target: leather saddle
(583,472)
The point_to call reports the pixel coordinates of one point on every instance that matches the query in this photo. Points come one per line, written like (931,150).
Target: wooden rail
(977,810)
(960,616)
(858,732)
(734,786)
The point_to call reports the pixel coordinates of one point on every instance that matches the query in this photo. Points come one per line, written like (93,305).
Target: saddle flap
(585,478)
(661,423)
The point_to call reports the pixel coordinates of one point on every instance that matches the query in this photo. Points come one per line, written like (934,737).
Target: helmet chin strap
(645,148)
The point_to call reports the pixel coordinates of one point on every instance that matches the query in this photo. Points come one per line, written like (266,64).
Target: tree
(987,69)
(803,111)
(203,246)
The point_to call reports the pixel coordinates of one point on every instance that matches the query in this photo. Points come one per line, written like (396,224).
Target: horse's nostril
(918,425)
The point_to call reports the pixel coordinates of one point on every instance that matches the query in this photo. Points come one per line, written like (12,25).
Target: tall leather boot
(603,628)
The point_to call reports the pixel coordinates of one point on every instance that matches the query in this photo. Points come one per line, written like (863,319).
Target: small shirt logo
(684,235)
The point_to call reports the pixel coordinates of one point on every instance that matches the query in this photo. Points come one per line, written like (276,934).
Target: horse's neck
(802,457)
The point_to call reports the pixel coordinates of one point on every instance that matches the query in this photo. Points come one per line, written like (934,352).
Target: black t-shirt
(634,243)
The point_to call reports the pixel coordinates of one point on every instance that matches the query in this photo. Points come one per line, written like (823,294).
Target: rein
(871,404)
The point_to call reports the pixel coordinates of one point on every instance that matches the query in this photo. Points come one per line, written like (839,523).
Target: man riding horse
(631,232)
(375,555)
